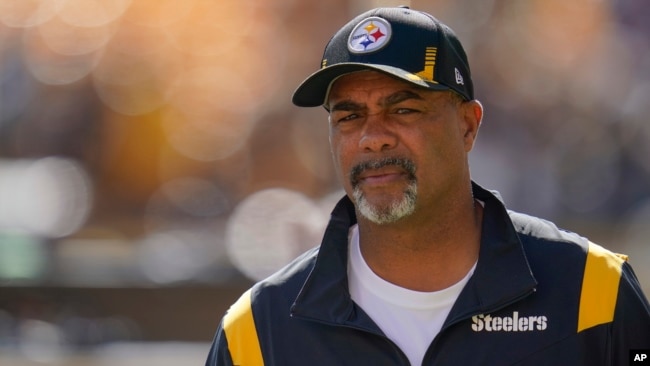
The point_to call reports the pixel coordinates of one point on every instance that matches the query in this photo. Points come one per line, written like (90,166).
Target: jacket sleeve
(219,354)
(236,341)
(631,326)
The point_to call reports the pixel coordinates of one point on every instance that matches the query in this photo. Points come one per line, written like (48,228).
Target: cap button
(404,7)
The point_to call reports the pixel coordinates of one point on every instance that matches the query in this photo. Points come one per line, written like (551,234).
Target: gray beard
(397,210)
(387,214)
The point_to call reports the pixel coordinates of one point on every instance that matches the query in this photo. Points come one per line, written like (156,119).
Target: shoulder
(291,276)
(566,255)
(280,289)
(533,228)
(242,321)
(537,231)
(547,246)
(538,234)
(574,262)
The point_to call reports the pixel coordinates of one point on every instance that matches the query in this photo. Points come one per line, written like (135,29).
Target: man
(419,265)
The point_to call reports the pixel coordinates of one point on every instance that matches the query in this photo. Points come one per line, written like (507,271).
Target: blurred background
(152,165)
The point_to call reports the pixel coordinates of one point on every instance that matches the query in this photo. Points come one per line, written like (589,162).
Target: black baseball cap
(405,43)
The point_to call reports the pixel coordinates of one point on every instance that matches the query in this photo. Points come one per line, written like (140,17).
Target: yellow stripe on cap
(239,326)
(429,64)
(599,287)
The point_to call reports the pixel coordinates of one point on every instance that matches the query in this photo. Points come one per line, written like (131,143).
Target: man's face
(397,148)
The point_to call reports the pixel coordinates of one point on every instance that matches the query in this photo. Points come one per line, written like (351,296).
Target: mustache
(404,163)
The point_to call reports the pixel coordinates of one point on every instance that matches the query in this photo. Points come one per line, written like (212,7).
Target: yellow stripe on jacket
(239,326)
(599,287)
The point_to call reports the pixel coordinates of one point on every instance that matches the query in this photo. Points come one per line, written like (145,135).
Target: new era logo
(640,357)
(459,77)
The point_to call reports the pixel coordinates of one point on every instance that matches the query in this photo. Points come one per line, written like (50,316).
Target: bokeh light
(50,197)
(69,39)
(271,227)
(206,119)
(28,13)
(174,256)
(41,341)
(53,68)
(92,13)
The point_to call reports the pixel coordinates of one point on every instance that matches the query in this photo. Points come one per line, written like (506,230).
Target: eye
(349,117)
(405,111)
(342,117)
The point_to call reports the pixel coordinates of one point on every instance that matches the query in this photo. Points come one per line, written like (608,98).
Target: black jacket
(538,296)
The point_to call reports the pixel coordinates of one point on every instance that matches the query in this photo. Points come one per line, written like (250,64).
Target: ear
(472,115)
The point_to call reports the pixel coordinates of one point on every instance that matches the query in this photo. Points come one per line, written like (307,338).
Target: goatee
(394,211)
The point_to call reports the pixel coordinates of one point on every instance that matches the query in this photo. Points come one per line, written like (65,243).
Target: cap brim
(314,90)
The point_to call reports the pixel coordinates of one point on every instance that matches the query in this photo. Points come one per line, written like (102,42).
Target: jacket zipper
(381,335)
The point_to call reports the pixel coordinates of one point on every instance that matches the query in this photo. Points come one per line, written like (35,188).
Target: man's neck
(424,253)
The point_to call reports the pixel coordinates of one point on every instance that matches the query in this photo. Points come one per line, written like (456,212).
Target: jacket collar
(325,295)
(502,274)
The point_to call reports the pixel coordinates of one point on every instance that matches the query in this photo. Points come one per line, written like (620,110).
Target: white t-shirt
(411,319)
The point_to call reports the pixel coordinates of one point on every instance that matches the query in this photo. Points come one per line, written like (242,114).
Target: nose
(376,135)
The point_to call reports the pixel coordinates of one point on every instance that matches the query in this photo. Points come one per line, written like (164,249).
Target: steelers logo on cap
(370,35)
